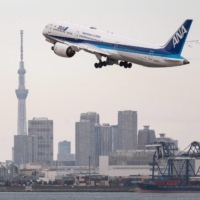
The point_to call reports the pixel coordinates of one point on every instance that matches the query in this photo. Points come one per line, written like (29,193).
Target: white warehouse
(126,163)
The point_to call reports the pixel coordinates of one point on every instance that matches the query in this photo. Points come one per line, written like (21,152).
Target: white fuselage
(117,47)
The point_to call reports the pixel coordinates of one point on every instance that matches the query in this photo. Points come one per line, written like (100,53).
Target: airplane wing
(87,47)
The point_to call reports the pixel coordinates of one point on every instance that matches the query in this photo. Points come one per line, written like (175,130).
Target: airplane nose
(45,31)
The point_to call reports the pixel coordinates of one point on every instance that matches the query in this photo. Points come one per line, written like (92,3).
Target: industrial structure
(165,139)
(183,164)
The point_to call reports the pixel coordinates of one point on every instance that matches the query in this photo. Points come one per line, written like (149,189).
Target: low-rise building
(35,166)
(66,157)
(8,172)
(126,163)
(59,173)
(27,172)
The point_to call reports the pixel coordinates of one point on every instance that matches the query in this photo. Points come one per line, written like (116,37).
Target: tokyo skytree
(21,93)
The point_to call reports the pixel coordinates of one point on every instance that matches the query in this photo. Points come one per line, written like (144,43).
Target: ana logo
(62,29)
(179,35)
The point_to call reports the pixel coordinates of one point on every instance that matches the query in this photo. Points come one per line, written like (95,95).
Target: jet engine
(63,50)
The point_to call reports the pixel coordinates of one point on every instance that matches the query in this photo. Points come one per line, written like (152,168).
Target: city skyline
(61,89)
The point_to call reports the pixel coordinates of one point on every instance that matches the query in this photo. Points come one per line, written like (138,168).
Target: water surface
(95,195)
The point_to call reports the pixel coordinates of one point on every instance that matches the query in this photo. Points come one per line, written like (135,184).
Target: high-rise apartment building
(127,130)
(93,117)
(145,137)
(41,130)
(114,138)
(64,152)
(85,138)
(22,149)
(97,143)
(106,139)
(85,143)
(64,147)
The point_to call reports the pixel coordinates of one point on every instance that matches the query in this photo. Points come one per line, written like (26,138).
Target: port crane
(179,163)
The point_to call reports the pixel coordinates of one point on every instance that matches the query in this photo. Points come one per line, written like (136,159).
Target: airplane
(69,38)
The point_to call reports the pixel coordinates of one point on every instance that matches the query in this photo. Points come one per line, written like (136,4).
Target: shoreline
(66,189)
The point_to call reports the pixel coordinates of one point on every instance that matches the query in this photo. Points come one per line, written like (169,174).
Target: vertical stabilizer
(176,43)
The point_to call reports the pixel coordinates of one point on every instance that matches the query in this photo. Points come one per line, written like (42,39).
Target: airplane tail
(176,43)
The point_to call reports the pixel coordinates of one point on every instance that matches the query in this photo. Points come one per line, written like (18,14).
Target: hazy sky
(61,89)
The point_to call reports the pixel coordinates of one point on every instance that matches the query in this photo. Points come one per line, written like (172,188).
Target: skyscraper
(145,136)
(97,143)
(103,140)
(21,93)
(41,130)
(114,138)
(106,139)
(85,143)
(127,130)
(85,138)
(93,117)
(22,149)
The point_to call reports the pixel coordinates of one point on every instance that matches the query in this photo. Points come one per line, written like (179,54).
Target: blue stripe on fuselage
(124,48)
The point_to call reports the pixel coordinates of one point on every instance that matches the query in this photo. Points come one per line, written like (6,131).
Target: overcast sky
(61,89)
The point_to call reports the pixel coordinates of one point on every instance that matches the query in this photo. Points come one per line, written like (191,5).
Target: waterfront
(98,196)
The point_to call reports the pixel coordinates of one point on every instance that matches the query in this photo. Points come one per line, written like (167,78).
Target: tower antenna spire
(22,32)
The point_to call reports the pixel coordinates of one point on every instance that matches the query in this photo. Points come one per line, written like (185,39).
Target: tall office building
(106,139)
(41,130)
(21,149)
(127,130)
(145,136)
